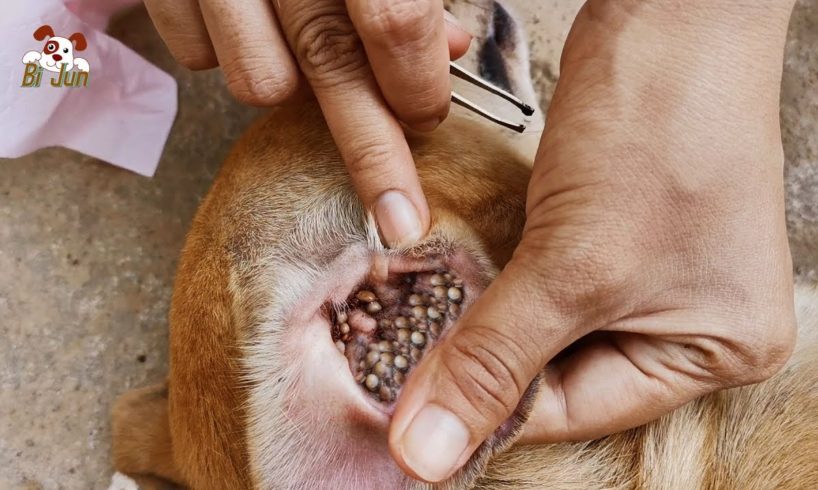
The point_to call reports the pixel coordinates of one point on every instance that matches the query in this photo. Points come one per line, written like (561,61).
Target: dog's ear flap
(79,41)
(43,31)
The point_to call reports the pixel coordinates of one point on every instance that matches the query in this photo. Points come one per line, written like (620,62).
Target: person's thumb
(473,380)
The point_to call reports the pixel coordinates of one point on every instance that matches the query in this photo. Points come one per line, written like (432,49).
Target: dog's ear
(43,32)
(79,41)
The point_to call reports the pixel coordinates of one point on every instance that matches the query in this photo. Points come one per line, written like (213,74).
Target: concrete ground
(88,251)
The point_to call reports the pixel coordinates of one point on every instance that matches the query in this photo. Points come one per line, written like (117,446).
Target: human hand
(370,63)
(655,242)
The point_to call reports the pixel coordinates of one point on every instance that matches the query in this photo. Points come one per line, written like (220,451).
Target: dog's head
(58,50)
(298,247)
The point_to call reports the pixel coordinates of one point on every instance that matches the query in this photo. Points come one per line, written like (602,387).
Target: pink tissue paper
(110,103)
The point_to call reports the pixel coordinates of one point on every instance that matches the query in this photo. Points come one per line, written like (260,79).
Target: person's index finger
(407,45)
(374,149)
(369,138)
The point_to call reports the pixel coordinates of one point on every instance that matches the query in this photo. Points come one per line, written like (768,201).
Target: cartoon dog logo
(58,51)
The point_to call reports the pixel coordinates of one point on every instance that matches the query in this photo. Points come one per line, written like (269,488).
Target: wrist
(665,30)
(653,87)
(752,15)
(723,54)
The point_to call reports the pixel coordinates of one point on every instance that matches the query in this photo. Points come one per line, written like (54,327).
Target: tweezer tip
(527,109)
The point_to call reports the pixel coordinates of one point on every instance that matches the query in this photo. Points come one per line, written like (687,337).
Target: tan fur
(141,436)
(205,410)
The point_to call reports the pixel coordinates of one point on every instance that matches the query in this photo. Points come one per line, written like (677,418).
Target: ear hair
(43,31)
(79,41)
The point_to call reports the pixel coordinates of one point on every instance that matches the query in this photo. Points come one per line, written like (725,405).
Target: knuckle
(766,353)
(258,84)
(397,22)
(406,30)
(368,159)
(425,106)
(488,380)
(763,352)
(327,48)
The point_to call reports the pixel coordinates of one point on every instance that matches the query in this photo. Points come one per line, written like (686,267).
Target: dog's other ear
(79,41)
(43,32)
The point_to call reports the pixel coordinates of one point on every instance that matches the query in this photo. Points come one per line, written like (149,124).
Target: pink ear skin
(43,32)
(79,41)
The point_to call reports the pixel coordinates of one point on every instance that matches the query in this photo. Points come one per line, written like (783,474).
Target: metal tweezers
(458,99)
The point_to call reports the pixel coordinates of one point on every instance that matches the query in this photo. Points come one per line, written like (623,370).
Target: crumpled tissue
(122,116)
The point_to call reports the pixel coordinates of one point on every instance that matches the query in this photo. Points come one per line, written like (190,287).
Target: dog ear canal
(79,41)
(43,31)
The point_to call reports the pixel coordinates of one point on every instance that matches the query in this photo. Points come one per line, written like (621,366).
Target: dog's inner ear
(79,41)
(43,32)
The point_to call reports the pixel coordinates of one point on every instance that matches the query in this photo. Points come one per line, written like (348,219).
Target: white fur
(122,482)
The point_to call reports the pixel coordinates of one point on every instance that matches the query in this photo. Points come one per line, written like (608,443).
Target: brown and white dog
(259,395)
(58,51)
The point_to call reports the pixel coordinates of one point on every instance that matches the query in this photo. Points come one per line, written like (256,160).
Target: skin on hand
(655,240)
(370,63)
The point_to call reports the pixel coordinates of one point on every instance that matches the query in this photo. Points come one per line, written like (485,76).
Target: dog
(265,388)
(58,51)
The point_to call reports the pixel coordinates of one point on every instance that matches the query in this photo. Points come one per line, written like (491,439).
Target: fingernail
(397,219)
(434,443)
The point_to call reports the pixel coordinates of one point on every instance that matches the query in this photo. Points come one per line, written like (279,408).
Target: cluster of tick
(433,299)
